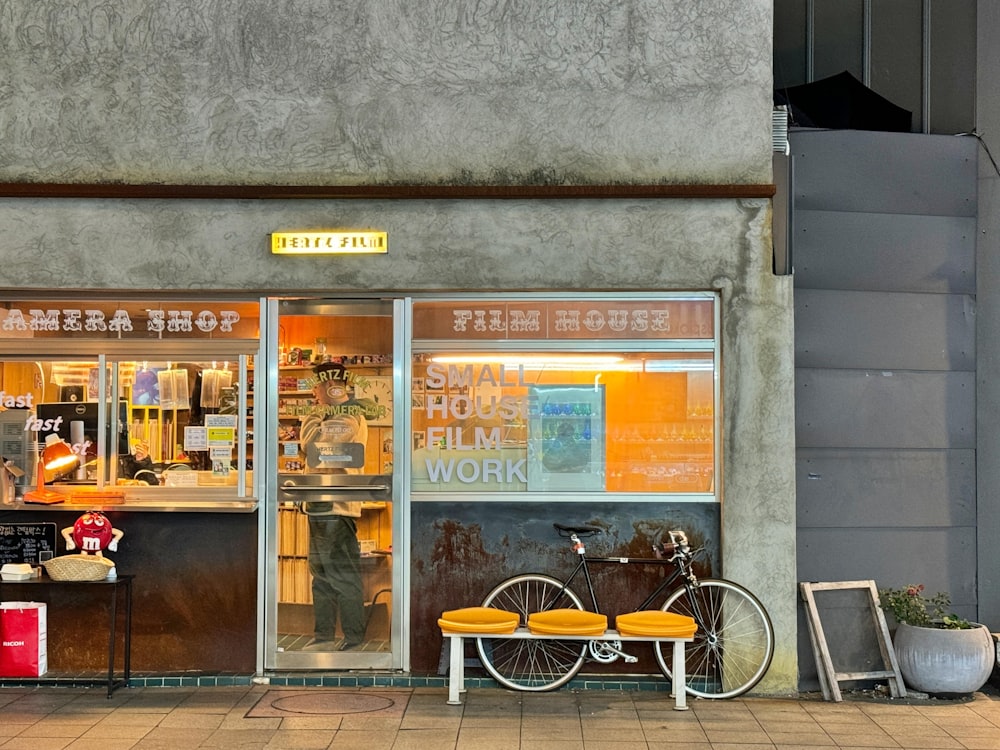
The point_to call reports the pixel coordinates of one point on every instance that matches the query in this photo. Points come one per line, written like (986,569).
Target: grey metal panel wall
(906,555)
(898,331)
(884,409)
(881,488)
(868,172)
(887,252)
(884,233)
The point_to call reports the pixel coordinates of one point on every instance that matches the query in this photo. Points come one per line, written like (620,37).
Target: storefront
(221,435)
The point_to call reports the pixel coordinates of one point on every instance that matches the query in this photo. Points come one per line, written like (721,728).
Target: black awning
(842,102)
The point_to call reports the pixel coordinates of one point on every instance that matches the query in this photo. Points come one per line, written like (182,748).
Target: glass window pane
(608,421)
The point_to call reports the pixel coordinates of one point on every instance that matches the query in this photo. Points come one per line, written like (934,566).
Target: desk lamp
(56,457)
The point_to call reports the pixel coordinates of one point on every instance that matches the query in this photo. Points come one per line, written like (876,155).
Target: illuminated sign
(329,243)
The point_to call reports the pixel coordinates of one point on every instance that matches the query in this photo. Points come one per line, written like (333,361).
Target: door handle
(330,489)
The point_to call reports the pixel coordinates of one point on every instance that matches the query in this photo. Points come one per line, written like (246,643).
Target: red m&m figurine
(92,534)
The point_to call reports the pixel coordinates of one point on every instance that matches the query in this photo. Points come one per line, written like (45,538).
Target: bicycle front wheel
(734,643)
(525,663)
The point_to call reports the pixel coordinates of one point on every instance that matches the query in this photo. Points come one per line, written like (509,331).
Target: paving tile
(35,743)
(858,739)
(528,744)
(47,729)
(186,738)
(487,720)
(104,744)
(506,733)
(376,739)
(486,743)
(736,735)
(237,720)
(11,729)
(424,739)
(192,721)
(418,720)
(241,738)
(371,722)
(801,739)
(327,723)
(286,739)
(979,742)
(671,735)
(612,736)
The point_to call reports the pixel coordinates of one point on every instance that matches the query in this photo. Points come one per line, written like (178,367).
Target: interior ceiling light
(528,359)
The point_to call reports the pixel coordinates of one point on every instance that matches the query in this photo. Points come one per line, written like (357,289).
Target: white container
(16,572)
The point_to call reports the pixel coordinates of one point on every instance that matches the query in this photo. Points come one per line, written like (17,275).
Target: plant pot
(935,660)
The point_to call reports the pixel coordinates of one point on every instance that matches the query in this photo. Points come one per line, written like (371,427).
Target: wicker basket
(78,568)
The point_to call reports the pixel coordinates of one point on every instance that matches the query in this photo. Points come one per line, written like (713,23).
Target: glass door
(330,592)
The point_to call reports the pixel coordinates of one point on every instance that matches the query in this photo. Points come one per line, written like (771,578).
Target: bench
(456,670)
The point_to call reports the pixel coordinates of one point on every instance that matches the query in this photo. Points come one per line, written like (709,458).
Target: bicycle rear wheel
(526,663)
(734,643)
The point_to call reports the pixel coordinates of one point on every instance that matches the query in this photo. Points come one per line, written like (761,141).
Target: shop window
(540,411)
(140,417)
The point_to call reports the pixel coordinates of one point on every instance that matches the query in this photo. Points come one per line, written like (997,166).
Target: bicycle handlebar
(677,546)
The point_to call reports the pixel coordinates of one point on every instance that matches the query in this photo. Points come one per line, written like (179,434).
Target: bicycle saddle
(578,530)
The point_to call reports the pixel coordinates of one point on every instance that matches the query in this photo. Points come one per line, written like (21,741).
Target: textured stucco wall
(180,245)
(339,92)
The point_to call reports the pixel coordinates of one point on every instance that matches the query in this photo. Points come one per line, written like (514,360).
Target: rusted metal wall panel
(460,551)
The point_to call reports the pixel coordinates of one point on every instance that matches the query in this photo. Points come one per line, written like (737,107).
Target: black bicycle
(732,648)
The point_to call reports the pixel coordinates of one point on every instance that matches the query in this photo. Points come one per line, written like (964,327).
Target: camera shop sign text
(98,322)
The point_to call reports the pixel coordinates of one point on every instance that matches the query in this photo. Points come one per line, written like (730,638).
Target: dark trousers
(335,564)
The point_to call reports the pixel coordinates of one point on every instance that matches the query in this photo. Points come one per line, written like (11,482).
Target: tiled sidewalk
(490,719)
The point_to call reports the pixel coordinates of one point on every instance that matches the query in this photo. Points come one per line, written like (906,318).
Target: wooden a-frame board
(829,678)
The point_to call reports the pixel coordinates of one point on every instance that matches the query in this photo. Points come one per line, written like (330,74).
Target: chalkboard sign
(21,542)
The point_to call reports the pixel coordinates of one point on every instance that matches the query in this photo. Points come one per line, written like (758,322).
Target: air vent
(779,130)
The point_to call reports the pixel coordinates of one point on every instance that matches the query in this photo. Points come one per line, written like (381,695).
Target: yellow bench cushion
(654,622)
(478,620)
(567,622)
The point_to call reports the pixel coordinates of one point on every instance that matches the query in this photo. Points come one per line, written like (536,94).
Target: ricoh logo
(12,644)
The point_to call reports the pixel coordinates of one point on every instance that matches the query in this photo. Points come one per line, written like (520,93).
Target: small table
(123,584)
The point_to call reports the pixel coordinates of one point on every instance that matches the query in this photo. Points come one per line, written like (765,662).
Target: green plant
(910,606)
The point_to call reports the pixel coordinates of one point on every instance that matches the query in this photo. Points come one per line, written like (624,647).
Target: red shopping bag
(23,639)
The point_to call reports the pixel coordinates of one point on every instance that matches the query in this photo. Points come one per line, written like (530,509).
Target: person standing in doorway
(333,437)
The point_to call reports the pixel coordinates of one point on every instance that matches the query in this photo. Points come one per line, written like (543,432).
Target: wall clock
(379,390)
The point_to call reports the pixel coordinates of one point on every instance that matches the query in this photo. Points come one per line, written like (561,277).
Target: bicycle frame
(679,572)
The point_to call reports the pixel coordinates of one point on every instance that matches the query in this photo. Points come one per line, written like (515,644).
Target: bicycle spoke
(734,643)
(528,664)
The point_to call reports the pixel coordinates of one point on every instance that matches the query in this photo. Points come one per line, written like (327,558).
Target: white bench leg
(679,685)
(456,670)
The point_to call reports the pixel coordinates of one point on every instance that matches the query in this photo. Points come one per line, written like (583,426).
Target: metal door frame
(269,657)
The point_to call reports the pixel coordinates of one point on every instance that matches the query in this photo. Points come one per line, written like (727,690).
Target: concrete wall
(334,92)
(599,92)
